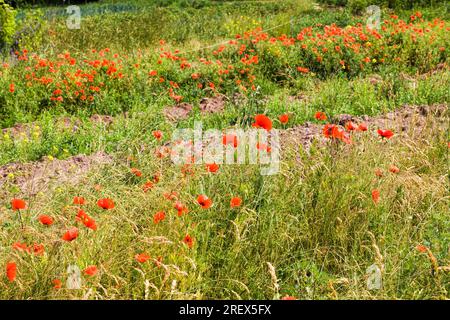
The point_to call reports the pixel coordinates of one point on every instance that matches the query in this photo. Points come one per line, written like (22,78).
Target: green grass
(311,231)
(312,222)
(334,96)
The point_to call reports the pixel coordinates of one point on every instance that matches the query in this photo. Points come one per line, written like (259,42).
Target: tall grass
(314,223)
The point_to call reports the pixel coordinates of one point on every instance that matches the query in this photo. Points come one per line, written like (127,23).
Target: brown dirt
(238,99)
(178,112)
(303,135)
(35,177)
(299,97)
(407,121)
(41,176)
(102,119)
(21,130)
(212,105)
(375,79)
(437,69)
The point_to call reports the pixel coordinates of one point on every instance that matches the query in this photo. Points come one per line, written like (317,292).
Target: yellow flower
(50,157)
(374,60)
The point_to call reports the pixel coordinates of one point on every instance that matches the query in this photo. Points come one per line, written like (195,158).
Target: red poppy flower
(136,172)
(90,223)
(90,271)
(86,220)
(421,248)
(204,201)
(70,234)
(350,126)
(81,215)
(394,169)
(38,249)
(189,241)
(11,271)
(302,69)
(379,172)
(18,204)
(284,118)
(171,195)
(385,133)
(105,204)
(327,129)
(57,284)
(20,247)
(159,216)
(235,202)
(79,201)
(142,257)
(181,208)
(147,186)
(362,127)
(375,196)
(212,167)
(12,88)
(333,131)
(289,298)
(262,121)
(230,139)
(321,116)
(157,134)
(46,220)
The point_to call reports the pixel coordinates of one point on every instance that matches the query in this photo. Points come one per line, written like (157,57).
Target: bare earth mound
(35,177)
(408,120)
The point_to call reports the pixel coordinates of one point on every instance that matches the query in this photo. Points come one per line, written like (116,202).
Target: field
(109,189)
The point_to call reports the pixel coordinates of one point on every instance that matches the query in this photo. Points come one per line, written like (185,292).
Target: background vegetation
(309,232)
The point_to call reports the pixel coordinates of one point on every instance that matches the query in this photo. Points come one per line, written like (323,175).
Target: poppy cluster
(81,80)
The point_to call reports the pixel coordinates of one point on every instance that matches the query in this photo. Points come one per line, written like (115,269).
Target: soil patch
(41,176)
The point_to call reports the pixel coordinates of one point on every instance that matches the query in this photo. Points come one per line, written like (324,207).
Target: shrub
(358,6)
(31,30)
(7,24)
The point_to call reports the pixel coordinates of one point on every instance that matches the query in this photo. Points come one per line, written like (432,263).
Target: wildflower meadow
(235,150)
